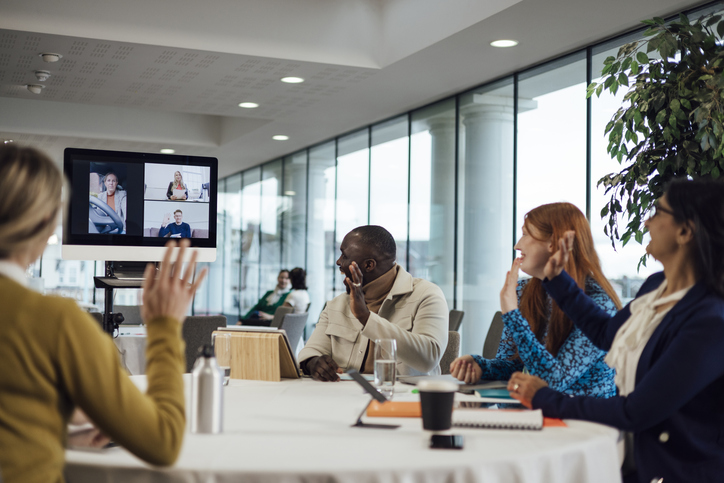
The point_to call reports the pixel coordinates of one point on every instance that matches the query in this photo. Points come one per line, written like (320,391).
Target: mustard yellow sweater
(54,357)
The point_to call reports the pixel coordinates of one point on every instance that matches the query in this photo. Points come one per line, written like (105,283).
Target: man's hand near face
(357,303)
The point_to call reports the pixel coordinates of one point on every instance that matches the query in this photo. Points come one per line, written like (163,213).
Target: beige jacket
(414,313)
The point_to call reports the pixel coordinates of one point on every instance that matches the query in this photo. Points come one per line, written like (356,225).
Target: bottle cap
(206,350)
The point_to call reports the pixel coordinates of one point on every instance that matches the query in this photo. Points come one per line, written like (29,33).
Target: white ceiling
(142,75)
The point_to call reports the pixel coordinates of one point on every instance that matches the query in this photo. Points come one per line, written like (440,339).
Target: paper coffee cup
(436,399)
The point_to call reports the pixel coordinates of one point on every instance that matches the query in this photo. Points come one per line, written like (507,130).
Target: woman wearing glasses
(667,345)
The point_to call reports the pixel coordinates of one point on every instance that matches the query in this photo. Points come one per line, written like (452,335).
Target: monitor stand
(118,275)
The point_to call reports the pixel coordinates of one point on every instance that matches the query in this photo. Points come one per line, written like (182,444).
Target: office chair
(492,340)
(197,332)
(452,351)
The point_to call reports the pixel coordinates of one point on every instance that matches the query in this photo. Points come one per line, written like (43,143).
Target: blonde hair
(31,187)
(177,184)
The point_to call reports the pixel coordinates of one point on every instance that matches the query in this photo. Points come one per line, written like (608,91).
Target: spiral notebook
(498,418)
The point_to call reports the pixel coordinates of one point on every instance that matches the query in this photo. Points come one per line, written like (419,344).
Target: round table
(298,431)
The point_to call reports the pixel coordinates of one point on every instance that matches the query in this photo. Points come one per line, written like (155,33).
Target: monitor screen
(125,206)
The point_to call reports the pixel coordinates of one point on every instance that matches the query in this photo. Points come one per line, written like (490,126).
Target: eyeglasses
(657,208)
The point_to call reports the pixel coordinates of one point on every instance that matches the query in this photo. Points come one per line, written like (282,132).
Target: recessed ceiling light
(504,43)
(280,137)
(248,105)
(7,141)
(168,151)
(290,193)
(292,80)
(48,57)
(35,88)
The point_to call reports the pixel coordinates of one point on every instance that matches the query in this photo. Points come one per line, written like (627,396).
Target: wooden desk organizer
(261,356)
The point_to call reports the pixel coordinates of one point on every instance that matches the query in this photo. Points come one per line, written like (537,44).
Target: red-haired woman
(538,336)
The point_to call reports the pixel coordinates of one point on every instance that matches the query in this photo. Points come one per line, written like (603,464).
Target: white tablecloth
(298,431)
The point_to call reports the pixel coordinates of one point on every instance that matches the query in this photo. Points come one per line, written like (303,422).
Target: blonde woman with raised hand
(55,358)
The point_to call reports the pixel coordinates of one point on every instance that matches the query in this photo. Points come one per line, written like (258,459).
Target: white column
(486,213)
(316,240)
(442,204)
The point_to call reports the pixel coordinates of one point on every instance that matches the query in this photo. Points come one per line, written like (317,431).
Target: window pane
(231,248)
(388,181)
(618,265)
(209,296)
(250,220)
(271,187)
(353,167)
(432,196)
(294,210)
(321,253)
(485,220)
(552,136)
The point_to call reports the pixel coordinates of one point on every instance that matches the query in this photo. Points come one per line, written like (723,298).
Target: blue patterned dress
(578,369)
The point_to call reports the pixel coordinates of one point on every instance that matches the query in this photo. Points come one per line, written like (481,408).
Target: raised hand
(466,369)
(508,295)
(557,261)
(357,303)
(169,294)
(524,386)
(323,368)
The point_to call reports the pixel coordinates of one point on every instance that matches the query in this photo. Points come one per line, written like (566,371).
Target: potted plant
(672,120)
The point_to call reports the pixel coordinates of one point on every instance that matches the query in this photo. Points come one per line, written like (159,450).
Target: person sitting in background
(263,312)
(539,336)
(298,298)
(666,345)
(178,229)
(56,358)
(383,301)
(116,199)
(177,184)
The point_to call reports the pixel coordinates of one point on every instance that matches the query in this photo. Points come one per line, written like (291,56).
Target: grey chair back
(293,325)
(197,332)
(279,314)
(455,319)
(452,351)
(492,340)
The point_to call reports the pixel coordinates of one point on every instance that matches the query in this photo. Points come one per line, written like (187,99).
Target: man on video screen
(178,229)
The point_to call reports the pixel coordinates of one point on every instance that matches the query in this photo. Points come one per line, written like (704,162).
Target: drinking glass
(222,351)
(385,366)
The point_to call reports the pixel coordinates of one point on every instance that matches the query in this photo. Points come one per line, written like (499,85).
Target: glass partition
(250,234)
(432,196)
(353,185)
(389,163)
(485,205)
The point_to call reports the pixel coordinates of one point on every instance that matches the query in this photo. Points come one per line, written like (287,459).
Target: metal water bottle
(207,393)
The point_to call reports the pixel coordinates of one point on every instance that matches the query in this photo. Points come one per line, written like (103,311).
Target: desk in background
(298,431)
(131,345)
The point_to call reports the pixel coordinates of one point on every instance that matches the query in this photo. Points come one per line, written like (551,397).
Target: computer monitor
(124,206)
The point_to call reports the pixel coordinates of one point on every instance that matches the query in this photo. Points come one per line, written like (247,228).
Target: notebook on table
(498,418)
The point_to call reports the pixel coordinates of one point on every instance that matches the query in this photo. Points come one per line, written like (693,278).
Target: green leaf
(609,60)
(599,89)
(642,58)
(720,29)
(623,78)
(660,117)
(634,68)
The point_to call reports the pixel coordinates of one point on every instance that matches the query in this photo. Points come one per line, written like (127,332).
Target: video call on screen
(146,199)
